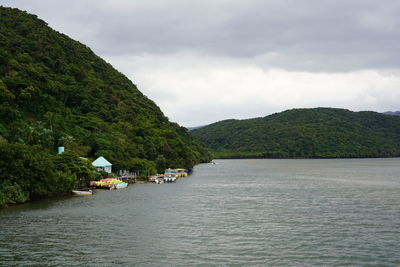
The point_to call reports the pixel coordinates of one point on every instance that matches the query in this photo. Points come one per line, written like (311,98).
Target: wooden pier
(128,177)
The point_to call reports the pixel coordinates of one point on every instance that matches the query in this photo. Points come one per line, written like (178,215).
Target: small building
(60,150)
(102,164)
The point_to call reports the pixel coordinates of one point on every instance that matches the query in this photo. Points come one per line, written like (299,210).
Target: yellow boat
(182,172)
(179,172)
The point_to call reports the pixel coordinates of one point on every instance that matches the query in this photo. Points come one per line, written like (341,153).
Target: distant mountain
(195,127)
(395,113)
(305,133)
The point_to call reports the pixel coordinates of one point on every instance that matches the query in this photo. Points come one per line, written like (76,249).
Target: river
(262,212)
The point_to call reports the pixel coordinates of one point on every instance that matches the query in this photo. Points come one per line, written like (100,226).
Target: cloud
(203,61)
(195,89)
(311,35)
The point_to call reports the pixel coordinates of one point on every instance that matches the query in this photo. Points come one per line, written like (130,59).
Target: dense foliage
(27,172)
(305,133)
(55,91)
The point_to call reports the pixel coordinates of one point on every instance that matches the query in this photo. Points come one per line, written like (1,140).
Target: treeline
(55,91)
(305,133)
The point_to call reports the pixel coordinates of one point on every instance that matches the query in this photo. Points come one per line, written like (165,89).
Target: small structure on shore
(60,150)
(102,164)
(127,176)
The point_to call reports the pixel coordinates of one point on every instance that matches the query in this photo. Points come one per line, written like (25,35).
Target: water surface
(236,212)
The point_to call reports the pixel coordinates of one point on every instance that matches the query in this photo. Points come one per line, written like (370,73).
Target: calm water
(236,212)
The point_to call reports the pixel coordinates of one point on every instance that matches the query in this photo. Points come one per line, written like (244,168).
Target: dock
(127,177)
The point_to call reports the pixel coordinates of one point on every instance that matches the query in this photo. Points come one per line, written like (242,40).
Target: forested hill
(395,113)
(56,91)
(305,133)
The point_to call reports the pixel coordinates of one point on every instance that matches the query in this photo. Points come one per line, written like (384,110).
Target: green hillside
(305,133)
(55,91)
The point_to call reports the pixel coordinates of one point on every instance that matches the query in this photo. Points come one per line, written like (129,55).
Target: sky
(210,60)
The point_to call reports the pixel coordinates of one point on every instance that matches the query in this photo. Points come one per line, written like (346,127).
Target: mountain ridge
(394,113)
(305,133)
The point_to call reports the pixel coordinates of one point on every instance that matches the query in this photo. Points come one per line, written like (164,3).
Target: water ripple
(239,212)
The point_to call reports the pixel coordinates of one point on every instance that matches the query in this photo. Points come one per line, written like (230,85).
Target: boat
(159,181)
(170,176)
(120,186)
(178,172)
(181,172)
(109,183)
(82,192)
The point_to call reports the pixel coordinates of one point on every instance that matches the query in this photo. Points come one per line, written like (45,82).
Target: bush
(26,166)
(142,166)
(82,169)
(12,194)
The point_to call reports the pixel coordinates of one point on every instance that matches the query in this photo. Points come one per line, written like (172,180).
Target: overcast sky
(205,61)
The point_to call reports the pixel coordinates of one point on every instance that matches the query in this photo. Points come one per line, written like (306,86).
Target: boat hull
(82,193)
(121,185)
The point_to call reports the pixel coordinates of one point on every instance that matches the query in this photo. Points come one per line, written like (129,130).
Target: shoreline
(261,157)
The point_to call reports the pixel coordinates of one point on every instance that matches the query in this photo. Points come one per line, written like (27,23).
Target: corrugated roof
(101,162)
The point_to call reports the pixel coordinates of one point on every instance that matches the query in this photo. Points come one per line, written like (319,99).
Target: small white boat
(120,186)
(169,179)
(170,176)
(159,181)
(82,193)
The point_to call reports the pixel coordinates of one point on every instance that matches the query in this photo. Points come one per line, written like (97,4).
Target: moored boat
(181,172)
(120,186)
(109,183)
(159,181)
(178,172)
(82,192)
(170,176)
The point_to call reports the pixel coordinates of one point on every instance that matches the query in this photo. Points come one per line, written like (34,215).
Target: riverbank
(130,180)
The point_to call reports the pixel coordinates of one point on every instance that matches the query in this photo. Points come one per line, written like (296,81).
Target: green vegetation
(305,133)
(56,91)
(27,172)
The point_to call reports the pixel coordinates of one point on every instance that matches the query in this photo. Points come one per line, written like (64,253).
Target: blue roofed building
(102,164)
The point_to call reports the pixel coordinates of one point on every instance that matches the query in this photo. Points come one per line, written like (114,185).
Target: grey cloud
(310,35)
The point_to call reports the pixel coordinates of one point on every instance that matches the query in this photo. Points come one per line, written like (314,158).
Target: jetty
(127,176)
